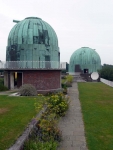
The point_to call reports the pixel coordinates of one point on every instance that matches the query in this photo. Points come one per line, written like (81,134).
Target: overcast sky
(78,23)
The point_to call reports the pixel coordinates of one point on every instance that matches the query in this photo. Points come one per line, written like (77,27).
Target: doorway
(86,70)
(14,80)
(77,68)
(17,79)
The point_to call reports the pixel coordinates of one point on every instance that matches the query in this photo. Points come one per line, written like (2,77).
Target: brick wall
(42,79)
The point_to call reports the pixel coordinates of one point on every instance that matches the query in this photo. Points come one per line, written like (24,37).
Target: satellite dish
(94,76)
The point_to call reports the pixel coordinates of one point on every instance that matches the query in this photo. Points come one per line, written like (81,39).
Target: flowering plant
(58,104)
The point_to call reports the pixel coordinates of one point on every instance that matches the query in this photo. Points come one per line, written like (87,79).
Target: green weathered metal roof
(32,39)
(87,58)
(27,28)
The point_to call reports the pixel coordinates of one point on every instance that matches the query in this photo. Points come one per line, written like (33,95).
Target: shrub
(53,92)
(64,86)
(46,134)
(40,145)
(69,78)
(1,81)
(3,88)
(63,77)
(48,129)
(28,90)
(58,104)
(67,82)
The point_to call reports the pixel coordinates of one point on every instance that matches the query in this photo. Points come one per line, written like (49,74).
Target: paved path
(71,125)
(8,92)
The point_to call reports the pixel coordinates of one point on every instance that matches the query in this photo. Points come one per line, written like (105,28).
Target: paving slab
(71,125)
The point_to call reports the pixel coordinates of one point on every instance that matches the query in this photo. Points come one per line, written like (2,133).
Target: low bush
(64,86)
(68,84)
(40,145)
(63,77)
(46,135)
(1,81)
(3,88)
(28,90)
(69,78)
(47,128)
(58,104)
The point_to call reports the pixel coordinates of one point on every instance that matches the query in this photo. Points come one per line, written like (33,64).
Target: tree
(106,72)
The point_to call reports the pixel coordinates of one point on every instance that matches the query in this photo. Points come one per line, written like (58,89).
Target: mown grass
(97,108)
(15,114)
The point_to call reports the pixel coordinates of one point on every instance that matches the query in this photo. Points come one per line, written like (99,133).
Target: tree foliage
(106,72)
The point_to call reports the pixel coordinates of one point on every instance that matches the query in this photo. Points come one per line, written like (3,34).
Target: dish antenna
(94,76)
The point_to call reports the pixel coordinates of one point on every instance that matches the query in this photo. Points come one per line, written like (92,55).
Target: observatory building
(33,54)
(32,39)
(84,60)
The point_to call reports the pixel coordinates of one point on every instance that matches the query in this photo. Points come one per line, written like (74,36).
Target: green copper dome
(32,39)
(86,58)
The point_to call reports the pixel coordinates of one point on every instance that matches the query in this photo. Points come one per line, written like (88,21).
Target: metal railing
(30,65)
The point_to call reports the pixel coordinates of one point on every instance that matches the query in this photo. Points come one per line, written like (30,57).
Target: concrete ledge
(109,83)
(20,141)
(49,91)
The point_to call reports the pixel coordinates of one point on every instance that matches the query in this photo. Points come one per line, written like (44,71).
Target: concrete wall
(6,79)
(11,80)
(110,83)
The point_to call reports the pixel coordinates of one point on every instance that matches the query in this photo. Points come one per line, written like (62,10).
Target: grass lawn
(97,108)
(15,114)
